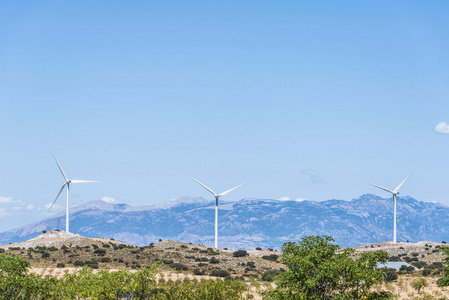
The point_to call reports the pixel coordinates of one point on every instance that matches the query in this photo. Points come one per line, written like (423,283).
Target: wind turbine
(66,183)
(395,192)
(216,205)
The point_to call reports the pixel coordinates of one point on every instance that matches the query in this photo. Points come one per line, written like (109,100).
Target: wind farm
(322,108)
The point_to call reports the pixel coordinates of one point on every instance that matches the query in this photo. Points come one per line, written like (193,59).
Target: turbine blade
(81,181)
(210,190)
(57,195)
(385,189)
(228,191)
(60,168)
(399,186)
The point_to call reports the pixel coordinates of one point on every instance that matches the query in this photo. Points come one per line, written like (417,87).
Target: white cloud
(3,213)
(55,206)
(30,207)
(109,199)
(285,198)
(313,175)
(442,128)
(300,199)
(9,200)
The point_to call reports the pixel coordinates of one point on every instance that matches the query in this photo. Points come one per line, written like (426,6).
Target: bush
(271,257)
(45,255)
(60,265)
(394,258)
(419,264)
(78,263)
(179,266)
(214,260)
(258,248)
(426,272)
(251,264)
(390,274)
(407,269)
(220,273)
(105,260)
(167,261)
(91,264)
(270,275)
(240,253)
(198,272)
(100,252)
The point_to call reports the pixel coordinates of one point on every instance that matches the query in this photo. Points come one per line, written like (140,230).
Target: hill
(251,223)
(56,249)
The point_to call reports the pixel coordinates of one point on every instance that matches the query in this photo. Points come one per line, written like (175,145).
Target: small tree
(319,269)
(444,281)
(418,284)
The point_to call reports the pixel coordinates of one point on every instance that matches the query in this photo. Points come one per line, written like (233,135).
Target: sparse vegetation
(177,258)
(240,253)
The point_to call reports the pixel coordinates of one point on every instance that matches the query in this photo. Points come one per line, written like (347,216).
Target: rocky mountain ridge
(251,223)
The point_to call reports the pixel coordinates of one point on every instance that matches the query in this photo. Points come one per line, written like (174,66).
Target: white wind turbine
(66,183)
(216,205)
(395,192)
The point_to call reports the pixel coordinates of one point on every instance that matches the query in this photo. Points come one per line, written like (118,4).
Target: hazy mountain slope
(251,223)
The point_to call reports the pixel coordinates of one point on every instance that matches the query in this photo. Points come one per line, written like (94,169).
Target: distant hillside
(251,223)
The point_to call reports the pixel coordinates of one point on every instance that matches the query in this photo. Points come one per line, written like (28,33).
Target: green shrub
(198,272)
(219,273)
(60,265)
(78,263)
(390,274)
(167,261)
(271,257)
(100,252)
(270,275)
(214,260)
(105,260)
(179,266)
(419,264)
(240,253)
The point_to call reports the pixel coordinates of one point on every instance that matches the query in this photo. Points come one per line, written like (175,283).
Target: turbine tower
(395,192)
(66,183)
(216,205)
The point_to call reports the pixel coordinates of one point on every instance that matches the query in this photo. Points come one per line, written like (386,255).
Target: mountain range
(251,223)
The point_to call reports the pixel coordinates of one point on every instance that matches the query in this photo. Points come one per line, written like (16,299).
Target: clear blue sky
(301,99)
